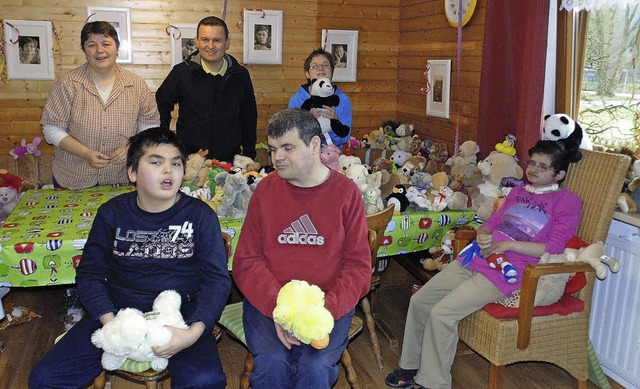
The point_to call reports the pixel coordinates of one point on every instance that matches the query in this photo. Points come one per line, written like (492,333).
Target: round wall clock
(451,10)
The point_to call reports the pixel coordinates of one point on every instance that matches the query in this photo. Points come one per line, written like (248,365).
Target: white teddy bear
(132,334)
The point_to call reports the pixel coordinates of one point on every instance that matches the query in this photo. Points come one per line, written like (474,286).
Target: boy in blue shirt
(141,243)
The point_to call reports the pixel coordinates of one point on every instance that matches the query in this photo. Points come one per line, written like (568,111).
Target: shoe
(401,378)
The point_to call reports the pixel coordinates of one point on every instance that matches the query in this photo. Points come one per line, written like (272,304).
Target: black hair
(140,142)
(292,118)
(99,27)
(320,51)
(213,21)
(561,155)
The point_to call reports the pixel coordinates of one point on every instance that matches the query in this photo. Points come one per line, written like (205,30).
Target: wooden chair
(231,320)
(150,378)
(378,223)
(560,340)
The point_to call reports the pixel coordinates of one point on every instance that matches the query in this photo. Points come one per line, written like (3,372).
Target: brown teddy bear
(494,168)
(438,155)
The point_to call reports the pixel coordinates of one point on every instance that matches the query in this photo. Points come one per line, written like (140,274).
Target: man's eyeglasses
(541,167)
(316,66)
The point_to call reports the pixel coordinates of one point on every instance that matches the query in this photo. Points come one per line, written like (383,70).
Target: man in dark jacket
(217,105)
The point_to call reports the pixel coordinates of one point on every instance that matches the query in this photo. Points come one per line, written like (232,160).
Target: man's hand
(285,337)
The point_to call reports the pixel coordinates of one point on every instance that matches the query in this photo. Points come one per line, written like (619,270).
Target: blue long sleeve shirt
(132,255)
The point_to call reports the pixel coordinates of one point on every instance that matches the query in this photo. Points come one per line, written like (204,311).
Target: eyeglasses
(324,65)
(541,167)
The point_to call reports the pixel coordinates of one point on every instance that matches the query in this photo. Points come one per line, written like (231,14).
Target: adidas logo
(301,231)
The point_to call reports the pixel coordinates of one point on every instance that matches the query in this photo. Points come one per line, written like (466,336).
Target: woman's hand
(494,247)
(96,159)
(180,339)
(285,337)
(330,112)
(119,155)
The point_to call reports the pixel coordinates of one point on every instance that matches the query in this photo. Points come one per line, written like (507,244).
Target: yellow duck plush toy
(300,310)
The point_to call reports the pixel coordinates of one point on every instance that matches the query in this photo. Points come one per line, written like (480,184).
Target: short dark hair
(23,40)
(561,155)
(292,118)
(99,27)
(316,52)
(213,21)
(140,142)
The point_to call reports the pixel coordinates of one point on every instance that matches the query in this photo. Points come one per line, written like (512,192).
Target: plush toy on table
(323,94)
(27,148)
(10,185)
(132,334)
(235,195)
(629,199)
(398,198)
(300,311)
(329,155)
(372,195)
(508,145)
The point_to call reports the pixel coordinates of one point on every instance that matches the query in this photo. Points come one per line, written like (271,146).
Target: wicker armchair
(561,340)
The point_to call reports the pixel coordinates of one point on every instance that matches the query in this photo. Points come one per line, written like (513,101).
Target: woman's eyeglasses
(541,167)
(316,66)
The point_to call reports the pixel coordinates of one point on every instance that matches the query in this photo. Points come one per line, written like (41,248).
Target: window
(609,108)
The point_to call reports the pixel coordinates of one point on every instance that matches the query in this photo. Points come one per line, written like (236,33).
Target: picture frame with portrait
(262,37)
(29,49)
(183,42)
(343,46)
(120,19)
(439,77)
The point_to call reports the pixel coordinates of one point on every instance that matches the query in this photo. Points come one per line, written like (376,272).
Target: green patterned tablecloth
(415,231)
(42,240)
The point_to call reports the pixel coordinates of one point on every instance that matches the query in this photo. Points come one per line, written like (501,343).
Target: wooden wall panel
(373,95)
(396,37)
(425,34)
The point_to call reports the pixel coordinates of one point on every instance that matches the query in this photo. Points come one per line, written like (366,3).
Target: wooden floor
(26,343)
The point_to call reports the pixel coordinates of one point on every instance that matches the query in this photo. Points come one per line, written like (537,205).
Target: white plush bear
(132,334)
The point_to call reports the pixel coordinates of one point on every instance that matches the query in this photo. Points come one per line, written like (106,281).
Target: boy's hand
(180,339)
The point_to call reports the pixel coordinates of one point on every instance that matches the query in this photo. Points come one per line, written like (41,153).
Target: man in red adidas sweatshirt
(304,222)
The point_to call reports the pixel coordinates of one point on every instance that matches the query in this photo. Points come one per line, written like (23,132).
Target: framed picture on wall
(29,51)
(262,37)
(439,76)
(343,46)
(120,19)
(183,42)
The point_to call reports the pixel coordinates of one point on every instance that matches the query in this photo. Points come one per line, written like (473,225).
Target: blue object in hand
(471,251)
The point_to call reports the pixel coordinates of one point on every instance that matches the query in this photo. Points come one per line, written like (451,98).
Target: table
(416,230)
(41,241)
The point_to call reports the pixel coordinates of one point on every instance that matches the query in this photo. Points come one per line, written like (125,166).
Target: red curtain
(512,81)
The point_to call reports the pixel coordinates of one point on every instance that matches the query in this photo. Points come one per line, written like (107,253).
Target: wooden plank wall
(373,96)
(426,34)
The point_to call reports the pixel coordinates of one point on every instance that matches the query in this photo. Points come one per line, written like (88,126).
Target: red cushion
(566,305)
(579,280)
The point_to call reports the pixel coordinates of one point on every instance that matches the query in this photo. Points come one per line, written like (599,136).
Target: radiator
(615,316)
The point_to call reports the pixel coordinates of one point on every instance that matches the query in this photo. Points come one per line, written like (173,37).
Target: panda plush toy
(323,94)
(560,126)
